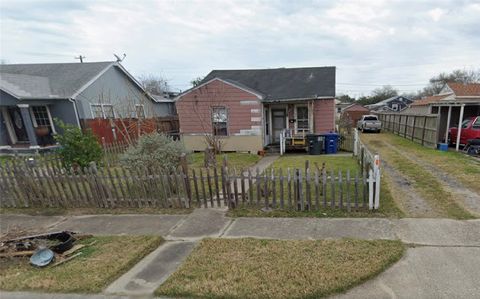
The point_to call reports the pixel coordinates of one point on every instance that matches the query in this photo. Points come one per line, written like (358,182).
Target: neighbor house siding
(244,116)
(114,87)
(324,115)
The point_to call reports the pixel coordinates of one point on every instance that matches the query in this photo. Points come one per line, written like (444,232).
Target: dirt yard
(426,182)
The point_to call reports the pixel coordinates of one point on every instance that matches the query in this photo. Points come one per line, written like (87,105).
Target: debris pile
(43,249)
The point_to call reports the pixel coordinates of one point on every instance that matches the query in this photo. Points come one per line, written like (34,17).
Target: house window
(102,111)
(219,121)
(40,116)
(395,107)
(302,119)
(140,111)
(108,111)
(97,111)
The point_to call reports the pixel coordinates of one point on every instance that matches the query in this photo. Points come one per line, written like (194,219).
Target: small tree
(78,149)
(153,150)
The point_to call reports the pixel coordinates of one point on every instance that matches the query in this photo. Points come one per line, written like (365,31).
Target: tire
(378,131)
(449,140)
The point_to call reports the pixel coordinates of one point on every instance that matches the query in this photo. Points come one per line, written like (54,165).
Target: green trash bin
(315,144)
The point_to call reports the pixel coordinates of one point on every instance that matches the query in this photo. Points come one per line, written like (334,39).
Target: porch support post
(448,122)
(27,121)
(459,131)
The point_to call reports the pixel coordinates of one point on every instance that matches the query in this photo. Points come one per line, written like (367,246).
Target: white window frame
(34,120)
(227,121)
(103,110)
(395,107)
(308,129)
(143,108)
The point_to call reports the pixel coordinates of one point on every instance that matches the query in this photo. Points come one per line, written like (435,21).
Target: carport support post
(449,116)
(459,131)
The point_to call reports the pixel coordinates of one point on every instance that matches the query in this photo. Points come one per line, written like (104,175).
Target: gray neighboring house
(393,104)
(33,95)
(165,104)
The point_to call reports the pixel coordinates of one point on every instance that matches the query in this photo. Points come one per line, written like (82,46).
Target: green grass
(388,207)
(332,162)
(424,183)
(92,271)
(253,268)
(234,160)
(463,167)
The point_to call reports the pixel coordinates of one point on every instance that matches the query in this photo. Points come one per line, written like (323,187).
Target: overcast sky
(372,43)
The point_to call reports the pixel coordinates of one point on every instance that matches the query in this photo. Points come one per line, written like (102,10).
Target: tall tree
(154,84)
(437,82)
(195,82)
(378,94)
(345,98)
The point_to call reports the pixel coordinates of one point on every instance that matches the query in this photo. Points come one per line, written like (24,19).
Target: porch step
(272,149)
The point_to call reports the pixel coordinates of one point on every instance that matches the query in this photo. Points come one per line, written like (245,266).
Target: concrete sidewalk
(443,261)
(213,223)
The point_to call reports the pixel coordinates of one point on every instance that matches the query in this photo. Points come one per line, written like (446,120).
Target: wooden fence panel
(421,129)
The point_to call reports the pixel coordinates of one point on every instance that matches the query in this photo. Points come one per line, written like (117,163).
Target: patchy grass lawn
(235,160)
(424,183)
(332,162)
(253,268)
(464,168)
(92,271)
(388,209)
(90,211)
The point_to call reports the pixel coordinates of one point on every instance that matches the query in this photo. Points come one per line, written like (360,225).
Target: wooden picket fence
(48,184)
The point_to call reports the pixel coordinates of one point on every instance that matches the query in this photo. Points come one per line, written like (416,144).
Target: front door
(279,122)
(18,124)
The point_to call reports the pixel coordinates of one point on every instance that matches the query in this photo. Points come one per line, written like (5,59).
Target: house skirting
(251,144)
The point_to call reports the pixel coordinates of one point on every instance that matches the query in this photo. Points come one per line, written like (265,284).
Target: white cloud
(370,41)
(436,14)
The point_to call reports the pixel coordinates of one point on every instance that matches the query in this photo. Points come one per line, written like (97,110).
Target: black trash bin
(315,144)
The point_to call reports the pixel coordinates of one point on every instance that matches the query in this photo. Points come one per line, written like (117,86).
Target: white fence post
(370,189)
(376,167)
(355,142)
(282,146)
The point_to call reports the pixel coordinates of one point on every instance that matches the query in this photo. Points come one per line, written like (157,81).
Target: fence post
(184,165)
(377,181)
(370,189)
(355,142)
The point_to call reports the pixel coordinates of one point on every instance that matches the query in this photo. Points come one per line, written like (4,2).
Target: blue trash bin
(331,143)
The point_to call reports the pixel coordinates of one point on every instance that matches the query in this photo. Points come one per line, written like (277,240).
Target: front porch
(26,128)
(290,120)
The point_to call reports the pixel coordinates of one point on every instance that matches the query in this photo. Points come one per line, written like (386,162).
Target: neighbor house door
(279,122)
(17,124)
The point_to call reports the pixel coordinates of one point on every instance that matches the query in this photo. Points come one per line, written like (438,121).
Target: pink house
(249,109)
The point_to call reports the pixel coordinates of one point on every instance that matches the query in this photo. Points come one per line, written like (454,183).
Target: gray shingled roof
(51,80)
(283,83)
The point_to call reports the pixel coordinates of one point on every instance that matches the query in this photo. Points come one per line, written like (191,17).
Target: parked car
(470,130)
(369,123)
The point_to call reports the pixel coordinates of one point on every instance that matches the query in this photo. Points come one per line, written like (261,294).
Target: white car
(369,123)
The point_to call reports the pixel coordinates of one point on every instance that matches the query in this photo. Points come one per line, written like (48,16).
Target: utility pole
(80,57)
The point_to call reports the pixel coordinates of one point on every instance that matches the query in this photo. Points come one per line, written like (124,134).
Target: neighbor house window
(219,121)
(302,119)
(102,111)
(40,116)
(97,111)
(394,107)
(108,111)
(140,111)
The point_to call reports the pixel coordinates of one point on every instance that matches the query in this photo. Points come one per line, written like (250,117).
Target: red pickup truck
(470,130)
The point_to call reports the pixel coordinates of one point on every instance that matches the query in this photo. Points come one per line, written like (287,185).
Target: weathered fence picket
(47,184)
